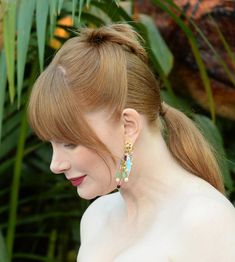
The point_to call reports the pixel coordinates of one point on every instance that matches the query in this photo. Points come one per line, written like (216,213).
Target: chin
(88,195)
(92,194)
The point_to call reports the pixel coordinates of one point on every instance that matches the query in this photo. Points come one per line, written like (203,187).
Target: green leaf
(38,218)
(109,12)
(92,19)
(52,244)
(117,2)
(9,143)
(216,54)
(183,104)
(74,6)
(9,28)
(60,5)
(81,2)
(212,134)
(33,257)
(204,76)
(88,3)
(11,123)
(3,81)
(3,251)
(230,52)
(42,9)
(10,160)
(157,44)
(25,18)
(142,29)
(110,9)
(53,14)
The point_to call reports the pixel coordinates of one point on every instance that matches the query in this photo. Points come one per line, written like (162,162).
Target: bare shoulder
(96,215)
(203,211)
(200,200)
(208,227)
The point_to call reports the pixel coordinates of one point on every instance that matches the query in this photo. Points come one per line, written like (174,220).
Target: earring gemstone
(125,163)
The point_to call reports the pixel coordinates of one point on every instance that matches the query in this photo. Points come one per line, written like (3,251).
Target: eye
(71,146)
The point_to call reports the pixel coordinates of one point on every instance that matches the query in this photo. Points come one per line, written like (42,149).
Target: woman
(99,105)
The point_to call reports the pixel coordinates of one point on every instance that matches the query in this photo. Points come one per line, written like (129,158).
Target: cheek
(114,140)
(88,161)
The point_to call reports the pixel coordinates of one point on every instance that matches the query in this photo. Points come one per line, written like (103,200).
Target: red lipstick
(77,180)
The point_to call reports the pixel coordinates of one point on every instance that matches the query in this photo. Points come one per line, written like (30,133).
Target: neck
(154,180)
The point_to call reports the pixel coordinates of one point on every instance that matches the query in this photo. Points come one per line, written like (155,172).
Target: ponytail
(190,148)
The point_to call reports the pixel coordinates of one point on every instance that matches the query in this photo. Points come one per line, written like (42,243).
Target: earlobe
(132,123)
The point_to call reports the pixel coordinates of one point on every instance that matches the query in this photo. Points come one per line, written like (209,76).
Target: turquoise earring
(125,165)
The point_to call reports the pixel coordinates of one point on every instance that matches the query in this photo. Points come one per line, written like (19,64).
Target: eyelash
(72,146)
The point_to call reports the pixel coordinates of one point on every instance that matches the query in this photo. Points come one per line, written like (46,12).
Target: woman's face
(75,161)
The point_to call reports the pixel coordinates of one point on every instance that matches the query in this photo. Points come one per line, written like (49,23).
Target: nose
(58,167)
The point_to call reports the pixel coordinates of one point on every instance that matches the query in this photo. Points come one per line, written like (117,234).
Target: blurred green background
(191,50)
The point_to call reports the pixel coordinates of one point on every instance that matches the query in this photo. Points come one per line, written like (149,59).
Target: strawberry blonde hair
(107,68)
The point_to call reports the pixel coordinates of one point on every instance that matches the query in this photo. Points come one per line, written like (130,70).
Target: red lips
(77,180)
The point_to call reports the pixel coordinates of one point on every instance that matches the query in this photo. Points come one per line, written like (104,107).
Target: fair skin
(159,194)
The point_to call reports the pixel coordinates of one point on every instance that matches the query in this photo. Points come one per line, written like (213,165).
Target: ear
(132,124)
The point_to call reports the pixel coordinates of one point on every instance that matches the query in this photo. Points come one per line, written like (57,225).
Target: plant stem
(17,174)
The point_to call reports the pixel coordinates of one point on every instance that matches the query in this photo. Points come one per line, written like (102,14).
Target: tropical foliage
(40,213)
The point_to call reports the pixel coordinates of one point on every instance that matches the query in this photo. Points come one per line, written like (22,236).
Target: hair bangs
(54,114)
